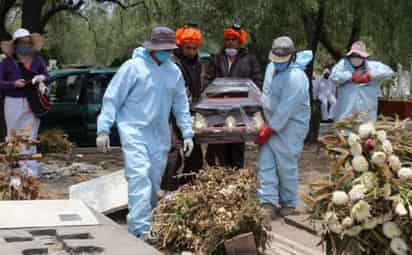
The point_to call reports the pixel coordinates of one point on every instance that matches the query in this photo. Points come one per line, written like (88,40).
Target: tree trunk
(332,50)
(356,23)
(32,15)
(313,45)
(5,6)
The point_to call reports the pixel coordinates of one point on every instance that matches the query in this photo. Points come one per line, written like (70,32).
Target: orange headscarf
(241,34)
(187,35)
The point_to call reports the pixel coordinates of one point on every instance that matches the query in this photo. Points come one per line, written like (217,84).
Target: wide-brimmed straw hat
(162,38)
(358,48)
(282,48)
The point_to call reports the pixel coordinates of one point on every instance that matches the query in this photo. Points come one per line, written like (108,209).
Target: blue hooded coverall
(140,98)
(354,97)
(286,107)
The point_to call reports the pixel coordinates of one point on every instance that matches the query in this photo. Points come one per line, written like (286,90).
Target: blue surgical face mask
(231,52)
(23,50)
(281,66)
(163,55)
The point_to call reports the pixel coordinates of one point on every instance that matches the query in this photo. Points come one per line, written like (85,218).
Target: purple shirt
(9,73)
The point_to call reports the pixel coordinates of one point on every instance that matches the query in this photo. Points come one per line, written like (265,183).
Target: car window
(66,89)
(96,86)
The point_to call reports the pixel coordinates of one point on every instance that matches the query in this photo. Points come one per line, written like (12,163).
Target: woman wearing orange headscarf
(189,40)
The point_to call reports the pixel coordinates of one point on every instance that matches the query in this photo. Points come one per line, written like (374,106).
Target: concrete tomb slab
(44,213)
(106,194)
(106,238)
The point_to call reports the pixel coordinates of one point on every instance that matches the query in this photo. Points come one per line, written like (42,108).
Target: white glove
(188,147)
(38,78)
(43,88)
(103,142)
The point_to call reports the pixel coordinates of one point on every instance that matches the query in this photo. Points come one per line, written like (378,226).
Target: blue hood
(140,52)
(303,58)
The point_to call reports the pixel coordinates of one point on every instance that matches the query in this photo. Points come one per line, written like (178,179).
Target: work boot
(148,238)
(286,211)
(269,215)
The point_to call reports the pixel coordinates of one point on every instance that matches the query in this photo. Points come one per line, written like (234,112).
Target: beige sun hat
(282,48)
(7,47)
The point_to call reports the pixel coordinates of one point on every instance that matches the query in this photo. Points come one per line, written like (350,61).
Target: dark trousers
(3,129)
(230,155)
(192,164)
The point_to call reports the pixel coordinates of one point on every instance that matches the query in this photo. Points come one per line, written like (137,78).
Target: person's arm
(4,83)
(291,98)
(115,95)
(257,76)
(379,71)
(211,71)
(43,68)
(269,73)
(340,73)
(180,109)
(331,83)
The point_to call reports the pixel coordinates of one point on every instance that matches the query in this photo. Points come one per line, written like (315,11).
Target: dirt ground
(313,165)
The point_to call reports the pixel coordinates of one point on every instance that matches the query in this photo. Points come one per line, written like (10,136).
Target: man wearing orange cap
(234,61)
(189,40)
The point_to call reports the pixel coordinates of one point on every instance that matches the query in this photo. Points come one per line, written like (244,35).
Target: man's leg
(174,162)
(267,191)
(217,152)
(324,107)
(137,167)
(287,163)
(210,155)
(236,152)
(3,129)
(194,162)
(158,165)
(332,109)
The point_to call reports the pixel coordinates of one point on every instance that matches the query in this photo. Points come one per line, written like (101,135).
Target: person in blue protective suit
(358,83)
(286,108)
(140,98)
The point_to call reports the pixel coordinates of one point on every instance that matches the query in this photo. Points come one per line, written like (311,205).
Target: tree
(5,7)
(37,13)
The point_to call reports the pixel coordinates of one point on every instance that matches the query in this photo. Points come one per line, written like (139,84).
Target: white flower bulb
(400,210)
(353,139)
(381,135)
(347,222)
(394,163)
(354,231)
(366,130)
(391,229)
(356,149)
(405,173)
(357,192)
(379,158)
(399,246)
(335,227)
(340,198)
(360,164)
(361,211)
(387,147)
(370,224)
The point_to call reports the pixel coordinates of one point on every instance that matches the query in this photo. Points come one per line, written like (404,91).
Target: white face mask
(356,61)
(231,52)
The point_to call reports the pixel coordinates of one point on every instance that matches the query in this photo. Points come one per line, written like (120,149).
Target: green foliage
(104,33)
